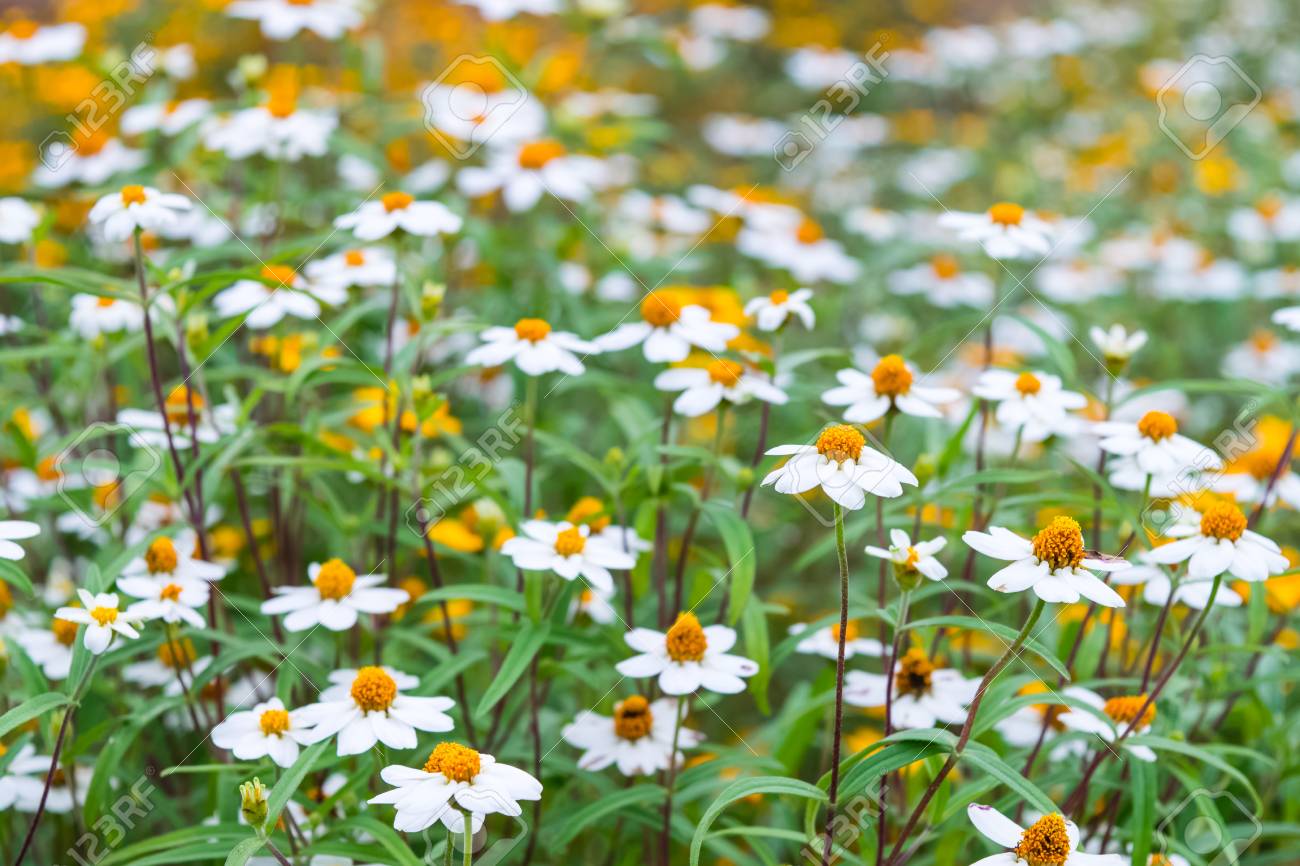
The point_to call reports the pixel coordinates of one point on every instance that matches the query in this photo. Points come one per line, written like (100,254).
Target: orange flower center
(65,631)
(686,641)
(23,29)
(851,631)
(1005,213)
(809,232)
(536,154)
(913,674)
(569,542)
(373,690)
(104,615)
(335,579)
(396,200)
(725,373)
(945,267)
(1157,425)
(1028,383)
(1263,340)
(354,258)
(841,442)
(660,309)
(161,557)
(105,302)
(1223,520)
(274,722)
(1060,543)
(280,274)
(780,296)
(133,193)
(458,763)
(1269,206)
(891,376)
(1124,710)
(170,592)
(532,330)
(1046,843)
(633,719)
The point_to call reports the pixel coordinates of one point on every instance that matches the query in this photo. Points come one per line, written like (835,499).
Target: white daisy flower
(923,695)
(703,388)
(657,225)
(1033,403)
(16,530)
(366,267)
(800,247)
(169,118)
(211,423)
(268,730)
(174,559)
(30,44)
(523,172)
(1077,281)
(534,348)
(93,316)
(568,550)
(18,220)
(1152,449)
(669,329)
(1112,718)
(120,214)
(1023,727)
(1287,317)
(171,600)
(26,778)
(89,160)
(1117,345)
(770,312)
(1271,219)
(687,657)
(599,606)
(917,558)
(102,619)
(1157,584)
(277,292)
(1221,543)
(335,598)
(367,706)
(942,282)
(284,19)
(51,648)
(1053,564)
(454,778)
(825,642)
(638,738)
(1052,839)
(842,465)
(1263,358)
(278,130)
(473,116)
(1005,231)
(503,10)
(889,386)
(399,211)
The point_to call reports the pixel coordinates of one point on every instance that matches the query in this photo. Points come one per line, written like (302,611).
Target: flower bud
(253,802)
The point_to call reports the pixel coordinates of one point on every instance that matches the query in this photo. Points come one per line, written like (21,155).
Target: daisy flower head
(169,118)
(1053,564)
(1152,448)
(1157,584)
(942,282)
(171,600)
(93,316)
(399,211)
(912,559)
(703,388)
(1033,403)
(16,530)
(18,220)
(365,267)
(890,385)
(1026,725)
(278,291)
(455,778)
(137,208)
(174,657)
(523,171)
(535,348)
(569,550)
(798,245)
(28,43)
(284,19)
(638,738)
(1112,717)
(367,706)
(843,465)
(668,329)
(268,730)
(772,311)
(1005,231)
(90,159)
(1221,542)
(1052,840)
(1117,344)
(174,559)
(688,657)
(102,618)
(148,428)
(923,695)
(50,648)
(335,598)
(277,129)
(825,642)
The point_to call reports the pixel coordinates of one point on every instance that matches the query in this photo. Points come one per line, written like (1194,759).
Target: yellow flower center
(851,631)
(104,615)
(569,542)
(1269,206)
(161,558)
(536,154)
(280,274)
(65,631)
(1157,425)
(780,296)
(458,763)
(373,690)
(177,654)
(354,258)
(632,718)
(1047,843)
(1028,383)
(841,442)
(132,193)
(396,200)
(105,302)
(282,103)
(1060,543)
(891,376)
(6,600)
(23,28)
(170,592)
(945,267)
(725,373)
(1223,520)
(1005,213)
(913,674)
(661,309)
(809,232)
(1263,340)
(274,722)
(532,330)
(1123,710)
(685,640)
(335,579)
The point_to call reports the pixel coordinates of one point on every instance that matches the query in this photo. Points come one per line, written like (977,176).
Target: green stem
(467,856)
(834,791)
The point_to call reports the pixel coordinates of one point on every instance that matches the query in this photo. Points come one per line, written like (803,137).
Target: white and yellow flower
(268,730)
(284,19)
(399,211)
(367,706)
(842,465)
(890,385)
(703,388)
(568,550)
(1033,403)
(102,619)
(923,695)
(1005,231)
(825,642)
(688,657)
(772,311)
(638,738)
(1051,840)
(669,329)
(277,292)
(1053,564)
(1221,542)
(918,558)
(534,347)
(335,599)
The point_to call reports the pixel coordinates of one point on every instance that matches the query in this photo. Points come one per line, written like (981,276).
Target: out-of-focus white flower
(1005,231)
(770,312)
(120,214)
(284,19)
(534,347)
(1033,403)
(923,694)
(942,282)
(703,388)
(399,211)
(277,292)
(522,173)
(169,118)
(1117,345)
(18,220)
(638,739)
(30,44)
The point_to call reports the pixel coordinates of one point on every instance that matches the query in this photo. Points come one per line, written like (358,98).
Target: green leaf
(1196,753)
(10,573)
(28,710)
(642,797)
(742,788)
(758,646)
(988,761)
(1142,821)
(241,853)
(522,650)
(738,541)
(290,779)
